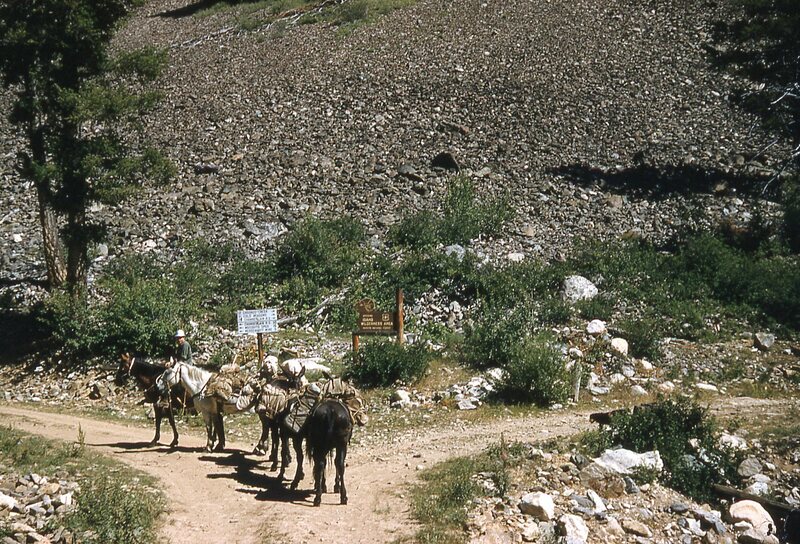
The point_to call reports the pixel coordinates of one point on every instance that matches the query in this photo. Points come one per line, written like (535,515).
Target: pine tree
(73,110)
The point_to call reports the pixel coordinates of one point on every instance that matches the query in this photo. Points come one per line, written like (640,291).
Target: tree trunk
(51,243)
(77,251)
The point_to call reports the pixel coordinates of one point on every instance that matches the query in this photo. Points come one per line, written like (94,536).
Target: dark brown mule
(146,375)
(329,427)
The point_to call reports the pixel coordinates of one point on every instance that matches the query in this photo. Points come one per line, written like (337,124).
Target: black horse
(146,375)
(329,427)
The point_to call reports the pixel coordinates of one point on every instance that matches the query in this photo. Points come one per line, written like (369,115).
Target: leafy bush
(322,252)
(492,335)
(535,373)
(465,216)
(72,324)
(671,427)
(384,363)
(419,230)
(644,338)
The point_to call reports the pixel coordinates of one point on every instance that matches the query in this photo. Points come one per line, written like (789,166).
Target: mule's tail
(321,433)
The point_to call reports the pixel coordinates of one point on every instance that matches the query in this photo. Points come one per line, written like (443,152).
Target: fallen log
(775,508)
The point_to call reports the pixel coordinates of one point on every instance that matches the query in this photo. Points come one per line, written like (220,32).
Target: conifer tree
(74,113)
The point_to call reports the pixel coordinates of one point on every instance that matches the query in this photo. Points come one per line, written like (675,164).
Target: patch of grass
(442,501)
(114,504)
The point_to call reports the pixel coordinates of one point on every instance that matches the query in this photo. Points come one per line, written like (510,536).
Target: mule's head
(168,379)
(124,369)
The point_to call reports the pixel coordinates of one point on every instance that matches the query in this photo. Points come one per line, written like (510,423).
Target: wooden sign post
(258,322)
(375,322)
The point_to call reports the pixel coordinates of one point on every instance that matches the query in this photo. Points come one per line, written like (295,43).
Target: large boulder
(538,505)
(624,461)
(754,514)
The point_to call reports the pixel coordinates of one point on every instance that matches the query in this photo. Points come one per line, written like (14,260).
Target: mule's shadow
(660,182)
(262,486)
(145,446)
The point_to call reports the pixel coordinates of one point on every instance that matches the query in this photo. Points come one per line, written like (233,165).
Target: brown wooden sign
(371,321)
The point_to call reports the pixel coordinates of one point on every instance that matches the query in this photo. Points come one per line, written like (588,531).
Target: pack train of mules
(292,410)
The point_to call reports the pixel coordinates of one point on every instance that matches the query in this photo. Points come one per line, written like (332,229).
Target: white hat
(180,333)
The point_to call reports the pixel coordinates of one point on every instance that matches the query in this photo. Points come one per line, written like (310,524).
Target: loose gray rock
(764,341)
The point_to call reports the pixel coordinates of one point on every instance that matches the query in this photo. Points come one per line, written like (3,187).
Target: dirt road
(233,498)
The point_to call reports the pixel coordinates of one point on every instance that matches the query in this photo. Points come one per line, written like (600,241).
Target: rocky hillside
(571,106)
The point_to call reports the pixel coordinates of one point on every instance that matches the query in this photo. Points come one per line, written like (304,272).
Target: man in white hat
(183,351)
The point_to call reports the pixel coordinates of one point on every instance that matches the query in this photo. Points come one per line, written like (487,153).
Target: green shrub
(384,363)
(599,307)
(142,317)
(322,252)
(644,338)
(534,373)
(465,216)
(115,512)
(670,427)
(420,230)
(72,323)
(493,334)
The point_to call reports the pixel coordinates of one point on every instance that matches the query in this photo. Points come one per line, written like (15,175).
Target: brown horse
(146,375)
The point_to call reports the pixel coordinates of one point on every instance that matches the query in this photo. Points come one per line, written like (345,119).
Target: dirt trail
(233,498)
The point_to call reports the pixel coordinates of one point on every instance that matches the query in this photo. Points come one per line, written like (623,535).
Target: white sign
(256,321)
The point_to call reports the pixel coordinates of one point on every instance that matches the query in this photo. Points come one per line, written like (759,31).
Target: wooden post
(399,316)
(260,337)
(355,348)
(577,385)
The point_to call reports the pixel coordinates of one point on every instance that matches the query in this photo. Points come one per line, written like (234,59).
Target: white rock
(620,345)
(596,327)
(494,375)
(573,527)
(7,501)
(646,365)
(516,257)
(577,288)
(538,505)
(456,250)
(754,514)
(597,501)
(401,395)
(617,378)
(623,461)
(706,387)
(758,488)
(638,391)
(666,387)
(733,441)
(575,353)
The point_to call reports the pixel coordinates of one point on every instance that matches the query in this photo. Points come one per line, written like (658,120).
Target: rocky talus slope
(569,106)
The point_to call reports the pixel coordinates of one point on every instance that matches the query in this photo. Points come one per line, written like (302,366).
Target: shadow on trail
(266,488)
(136,447)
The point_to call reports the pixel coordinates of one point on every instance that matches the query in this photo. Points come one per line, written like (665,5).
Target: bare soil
(232,497)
